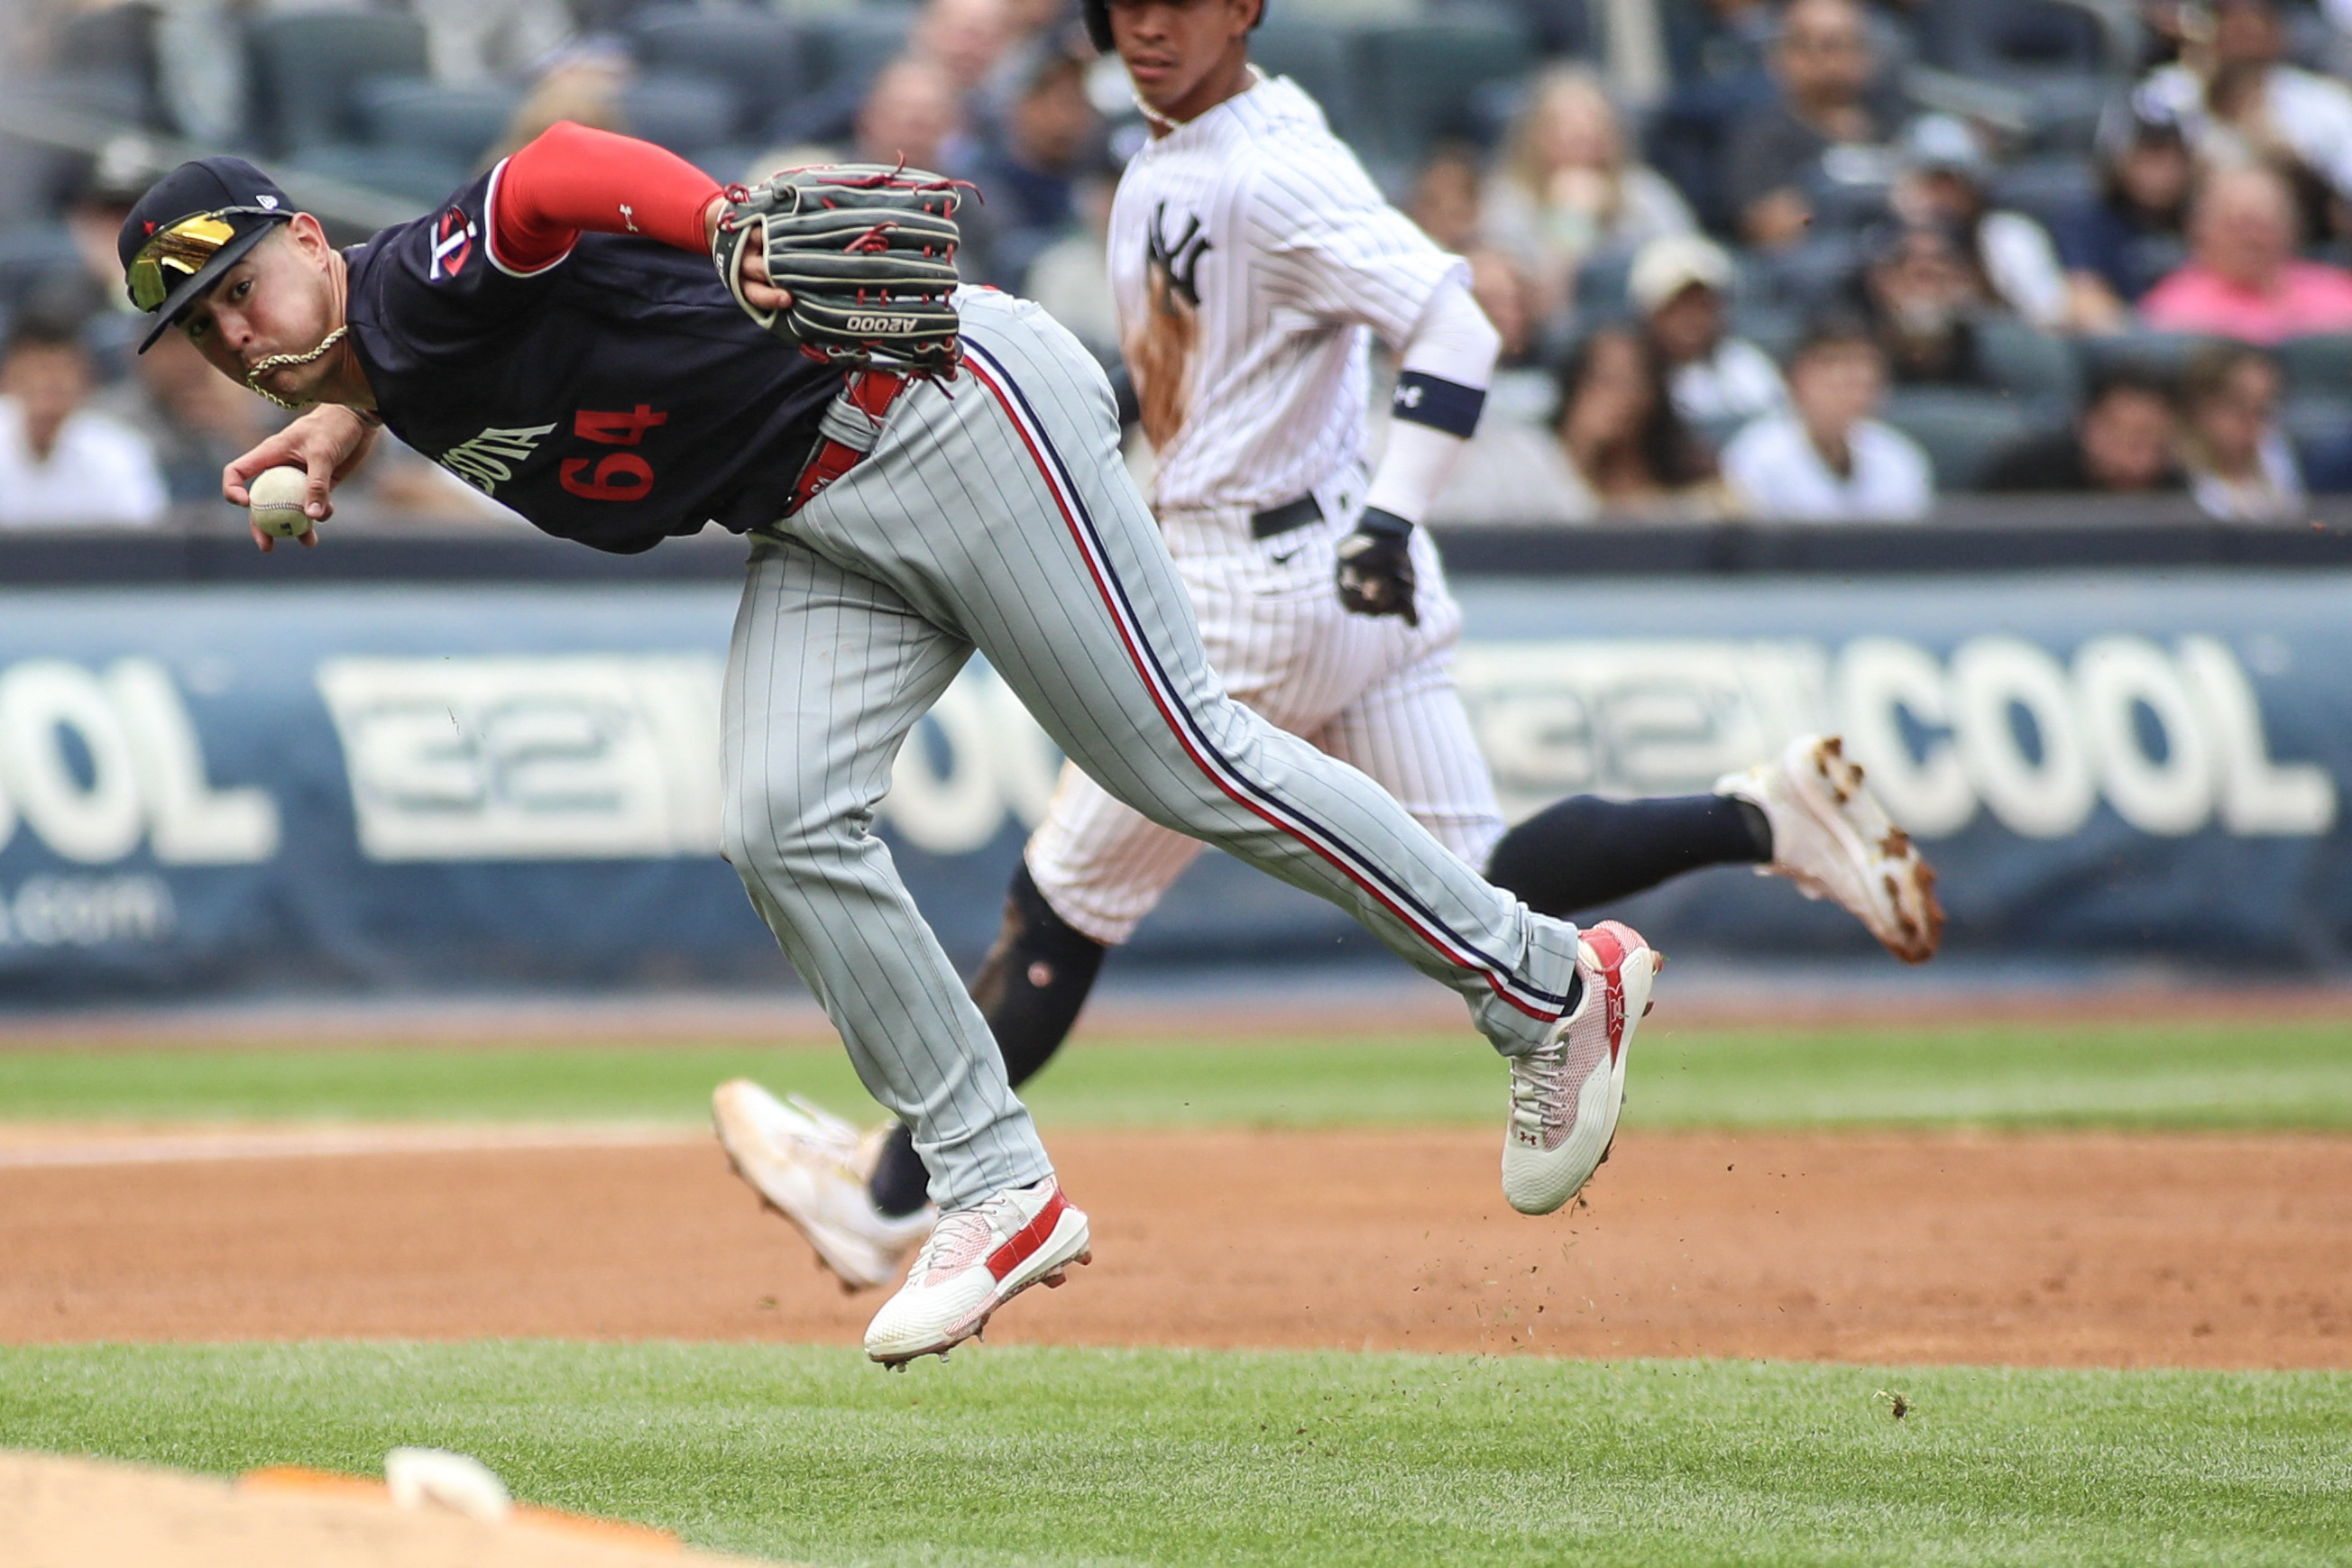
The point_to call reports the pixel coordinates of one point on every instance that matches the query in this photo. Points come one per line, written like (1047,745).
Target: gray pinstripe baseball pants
(994,513)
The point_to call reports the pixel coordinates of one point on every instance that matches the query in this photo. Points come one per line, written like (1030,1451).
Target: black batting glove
(1376,566)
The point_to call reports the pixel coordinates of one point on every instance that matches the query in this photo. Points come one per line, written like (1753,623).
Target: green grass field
(1170,1457)
(1069,1456)
(2196,1075)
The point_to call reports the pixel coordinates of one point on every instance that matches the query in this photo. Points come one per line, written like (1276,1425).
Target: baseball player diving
(609,343)
(1252,260)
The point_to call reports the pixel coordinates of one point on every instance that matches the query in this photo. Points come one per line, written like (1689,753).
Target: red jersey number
(619,476)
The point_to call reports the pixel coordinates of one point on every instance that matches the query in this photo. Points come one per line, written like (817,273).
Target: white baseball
(278,497)
(436,1478)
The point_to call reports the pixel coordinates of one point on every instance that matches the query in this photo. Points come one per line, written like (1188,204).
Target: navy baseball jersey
(616,396)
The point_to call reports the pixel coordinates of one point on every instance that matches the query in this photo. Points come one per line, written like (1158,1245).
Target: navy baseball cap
(192,225)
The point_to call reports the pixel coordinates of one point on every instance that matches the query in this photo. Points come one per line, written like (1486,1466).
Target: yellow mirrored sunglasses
(180,252)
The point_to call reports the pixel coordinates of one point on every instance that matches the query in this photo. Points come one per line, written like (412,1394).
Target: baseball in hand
(278,495)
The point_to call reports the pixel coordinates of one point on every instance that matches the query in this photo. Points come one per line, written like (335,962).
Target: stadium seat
(2316,420)
(684,113)
(425,178)
(460,123)
(2057,52)
(1806,277)
(1319,56)
(308,65)
(2045,185)
(104,63)
(757,54)
(1601,287)
(2165,354)
(1962,430)
(2007,38)
(1421,76)
(849,49)
(2320,365)
(1559,28)
(29,257)
(2039,369)
(1771,327)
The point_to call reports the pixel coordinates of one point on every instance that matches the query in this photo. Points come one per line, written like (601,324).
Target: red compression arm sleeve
(570,178)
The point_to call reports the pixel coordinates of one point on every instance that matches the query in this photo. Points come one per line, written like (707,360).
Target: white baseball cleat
(978,1259)
(1833,840)
(1566,1093)
(812,1168)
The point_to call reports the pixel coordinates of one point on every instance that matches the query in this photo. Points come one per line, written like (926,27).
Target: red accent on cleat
(1032,1235)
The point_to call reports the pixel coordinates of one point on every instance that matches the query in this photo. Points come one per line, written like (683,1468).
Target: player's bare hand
(1376,575)
(328,444)
(757,290)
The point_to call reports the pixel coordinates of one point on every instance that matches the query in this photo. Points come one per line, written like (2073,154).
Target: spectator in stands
(61,462)
(582,85)
(1034,32)
(967,39)
(1515,470)
(912,111)
(1628,451)
(2237,101)
(1823,63)
(1716,40)
(1445,198)
(2241,468)
(1943,181)
(1827,460)
(1921,292)
(197,419)
(2243,279)
(472,41)
(1029,175)
(1523,389)
(1569,189)
(1718,51)
(2118,245)
(1677,283)
(2122,443)
(1071,277)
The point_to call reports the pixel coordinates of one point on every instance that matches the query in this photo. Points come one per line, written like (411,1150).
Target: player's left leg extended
(999,506)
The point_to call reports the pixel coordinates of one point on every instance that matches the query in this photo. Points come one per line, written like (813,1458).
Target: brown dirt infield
(75,1513)
(2048,1250)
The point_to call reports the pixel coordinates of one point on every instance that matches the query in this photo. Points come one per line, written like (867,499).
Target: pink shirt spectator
(2309,298)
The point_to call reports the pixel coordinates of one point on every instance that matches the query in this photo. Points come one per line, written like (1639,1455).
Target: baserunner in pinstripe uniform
(1252,261)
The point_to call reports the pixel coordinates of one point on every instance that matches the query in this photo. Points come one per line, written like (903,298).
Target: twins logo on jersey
(452,243)
(1160,355)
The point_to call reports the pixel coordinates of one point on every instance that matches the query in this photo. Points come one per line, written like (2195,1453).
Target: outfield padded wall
(231,789)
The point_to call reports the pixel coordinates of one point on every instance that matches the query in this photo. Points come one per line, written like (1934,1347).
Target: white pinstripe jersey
(1251,257)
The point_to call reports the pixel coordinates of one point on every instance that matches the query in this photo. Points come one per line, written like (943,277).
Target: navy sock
(1584,852)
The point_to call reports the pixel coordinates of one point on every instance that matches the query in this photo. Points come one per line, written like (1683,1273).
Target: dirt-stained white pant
(994,513)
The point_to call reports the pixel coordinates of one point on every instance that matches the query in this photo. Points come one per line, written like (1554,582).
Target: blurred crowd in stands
(1814,259)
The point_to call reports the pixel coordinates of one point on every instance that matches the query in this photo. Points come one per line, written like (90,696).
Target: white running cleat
(1833,840)
(812,1168)
(1566,1093)
(978,1259)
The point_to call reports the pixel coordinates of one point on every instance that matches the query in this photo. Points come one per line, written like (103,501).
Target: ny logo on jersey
(453,241)
(487,461)
(1180,263)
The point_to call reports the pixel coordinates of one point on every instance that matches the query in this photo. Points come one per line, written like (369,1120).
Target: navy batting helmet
(1098,22)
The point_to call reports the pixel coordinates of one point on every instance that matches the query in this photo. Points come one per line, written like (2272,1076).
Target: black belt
(1281,519)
